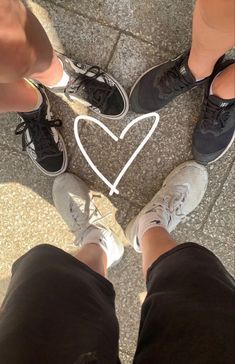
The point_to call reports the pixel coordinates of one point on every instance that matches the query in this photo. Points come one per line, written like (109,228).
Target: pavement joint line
(113,49)
(212,204)
(104,24)
(205,236)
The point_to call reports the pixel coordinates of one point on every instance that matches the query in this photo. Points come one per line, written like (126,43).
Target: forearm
(24,45)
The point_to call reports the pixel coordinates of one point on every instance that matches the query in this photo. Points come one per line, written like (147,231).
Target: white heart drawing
(113,187)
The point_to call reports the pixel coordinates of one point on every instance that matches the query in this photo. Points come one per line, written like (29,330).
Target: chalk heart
(113,186)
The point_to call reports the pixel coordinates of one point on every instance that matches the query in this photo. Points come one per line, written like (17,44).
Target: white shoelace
(171,205)
(92,217)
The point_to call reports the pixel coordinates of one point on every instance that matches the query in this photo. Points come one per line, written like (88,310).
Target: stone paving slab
(224,251)
(154,21)
(8,123)
(125,358)
(89,42)
(146,174)
(221,221)
(27,215)
(132,57)
(82,32)
(128,298)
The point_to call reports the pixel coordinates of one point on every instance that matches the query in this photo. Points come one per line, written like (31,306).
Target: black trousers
(58,311)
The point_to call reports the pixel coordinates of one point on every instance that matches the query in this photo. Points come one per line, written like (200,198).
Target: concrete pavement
(126,37)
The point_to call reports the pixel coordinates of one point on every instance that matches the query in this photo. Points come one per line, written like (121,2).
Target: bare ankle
(223,84)
(199,69)
(94,257)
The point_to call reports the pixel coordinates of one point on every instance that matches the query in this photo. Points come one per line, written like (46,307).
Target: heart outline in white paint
(113,187)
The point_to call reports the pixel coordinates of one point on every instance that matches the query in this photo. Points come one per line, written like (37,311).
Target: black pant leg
(188,316)
(57,311)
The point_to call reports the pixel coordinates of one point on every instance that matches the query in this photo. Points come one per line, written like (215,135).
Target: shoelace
(215,117)
(172,80)
(172,203)
(98,92)
(84,223)
(41,135)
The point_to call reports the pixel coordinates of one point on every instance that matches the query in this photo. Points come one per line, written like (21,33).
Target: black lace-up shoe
(161,84)
(41,140)
(215,131)
(94,88)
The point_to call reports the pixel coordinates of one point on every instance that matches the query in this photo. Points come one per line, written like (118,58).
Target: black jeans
(58,311)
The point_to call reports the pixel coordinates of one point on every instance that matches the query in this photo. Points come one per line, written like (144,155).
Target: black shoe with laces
(94,88)
(214,133)
(161,84)
(41,140)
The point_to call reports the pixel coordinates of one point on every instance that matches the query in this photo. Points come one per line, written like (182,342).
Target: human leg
(25,49)
(27,53)
(187,316)
(181,193)
(60,308)
(215,131)
(224,83)
(213,35)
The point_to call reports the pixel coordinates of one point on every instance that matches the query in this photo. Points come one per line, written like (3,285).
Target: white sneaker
(73,202)
(181,193)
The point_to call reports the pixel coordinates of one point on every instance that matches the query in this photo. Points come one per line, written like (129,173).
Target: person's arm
(24,46)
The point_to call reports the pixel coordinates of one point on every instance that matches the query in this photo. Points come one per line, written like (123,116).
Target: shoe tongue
(218,101)
(185,71)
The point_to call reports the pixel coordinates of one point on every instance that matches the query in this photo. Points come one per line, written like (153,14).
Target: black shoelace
(41,135)
(173,81)
(214,116)
(97,92)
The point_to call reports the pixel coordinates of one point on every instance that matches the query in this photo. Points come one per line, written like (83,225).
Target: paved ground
(126,37)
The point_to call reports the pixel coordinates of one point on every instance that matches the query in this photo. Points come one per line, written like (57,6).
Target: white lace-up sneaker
(181,193)
(73,201)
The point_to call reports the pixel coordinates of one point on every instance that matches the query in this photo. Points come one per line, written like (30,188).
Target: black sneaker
(161,84)
(94,88)
(41,140)
(215,131)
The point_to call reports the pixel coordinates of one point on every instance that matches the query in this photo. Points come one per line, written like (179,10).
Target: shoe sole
(168,178)
(120,89)
(65,154)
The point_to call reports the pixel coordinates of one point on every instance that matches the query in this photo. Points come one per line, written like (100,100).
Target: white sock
(40,99)
(148,221)
(95,236)
(64,80)
(211,88)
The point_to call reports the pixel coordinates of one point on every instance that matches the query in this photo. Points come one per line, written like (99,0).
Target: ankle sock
(211,88)
(148,221)
(40,99)
(63,81)
(94,236)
